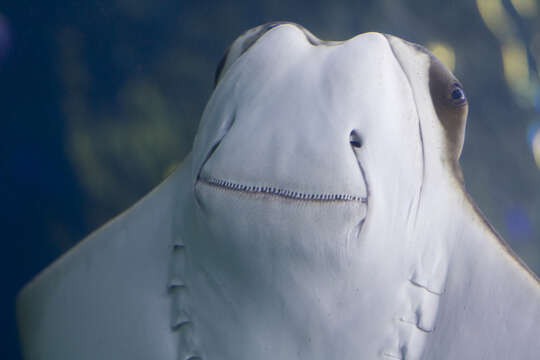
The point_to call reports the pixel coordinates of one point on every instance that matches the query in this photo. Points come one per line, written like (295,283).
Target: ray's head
(296,114)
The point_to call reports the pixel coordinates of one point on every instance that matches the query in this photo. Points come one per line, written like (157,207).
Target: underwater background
(100,101)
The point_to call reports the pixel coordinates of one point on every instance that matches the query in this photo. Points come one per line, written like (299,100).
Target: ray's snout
(285,129)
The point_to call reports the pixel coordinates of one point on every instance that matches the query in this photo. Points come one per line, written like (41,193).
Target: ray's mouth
(278,192)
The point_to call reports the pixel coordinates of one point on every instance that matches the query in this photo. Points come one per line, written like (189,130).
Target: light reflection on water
(521,76)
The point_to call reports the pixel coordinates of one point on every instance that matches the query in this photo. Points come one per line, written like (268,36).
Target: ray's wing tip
(25,293)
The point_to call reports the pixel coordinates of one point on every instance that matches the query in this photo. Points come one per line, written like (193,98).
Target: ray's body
(322,214)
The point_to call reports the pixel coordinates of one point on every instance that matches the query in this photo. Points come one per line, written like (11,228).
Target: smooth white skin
(408,269)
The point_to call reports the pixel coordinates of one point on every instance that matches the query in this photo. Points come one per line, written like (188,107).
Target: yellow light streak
(525,8)
(536,148)
(495,18)
(445,53)
(516,67)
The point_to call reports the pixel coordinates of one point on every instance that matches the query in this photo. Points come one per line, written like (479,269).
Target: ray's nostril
(355,139)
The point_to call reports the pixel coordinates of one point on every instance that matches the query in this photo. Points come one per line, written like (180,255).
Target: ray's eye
(457,95)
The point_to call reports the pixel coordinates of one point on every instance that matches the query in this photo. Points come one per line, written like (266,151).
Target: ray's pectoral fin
(110,289)
(491,303)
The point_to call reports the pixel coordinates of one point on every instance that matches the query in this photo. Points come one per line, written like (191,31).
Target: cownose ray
(321,215)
